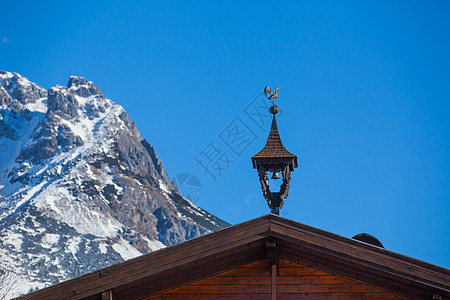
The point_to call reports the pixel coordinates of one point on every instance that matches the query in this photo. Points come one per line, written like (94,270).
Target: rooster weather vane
(274,158)
(273,109)
(273,96)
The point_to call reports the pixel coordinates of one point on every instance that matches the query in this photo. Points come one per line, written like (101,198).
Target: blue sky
(364,98)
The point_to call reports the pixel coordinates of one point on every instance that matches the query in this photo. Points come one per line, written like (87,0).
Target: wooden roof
(274,148)
(239,245)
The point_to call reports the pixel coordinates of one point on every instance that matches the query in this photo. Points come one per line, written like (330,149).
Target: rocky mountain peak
(14,86)
(83,88)
(80,189)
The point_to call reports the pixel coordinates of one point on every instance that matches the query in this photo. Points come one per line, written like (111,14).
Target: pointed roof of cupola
(274,148)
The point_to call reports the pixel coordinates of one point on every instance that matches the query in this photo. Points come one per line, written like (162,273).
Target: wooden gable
(259,259)
(294,281)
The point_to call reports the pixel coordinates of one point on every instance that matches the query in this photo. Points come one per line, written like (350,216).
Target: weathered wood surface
(179,277)
(318,296)
(107,295)
(316,251)
(253,281)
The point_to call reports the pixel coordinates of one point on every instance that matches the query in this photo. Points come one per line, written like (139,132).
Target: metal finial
(267,91)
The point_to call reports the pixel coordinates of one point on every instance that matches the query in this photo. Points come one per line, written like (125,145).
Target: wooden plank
(256,264)
(281,288)
(178,277)
(301,272)
(289,274)
(342,296)
(337,266)
(60,291)
(94,297)
(296,280)
(274,282)
(220,280)
(210,297)
(290,264)
(307,280)
(325,288)
(220,289)
(266,288)
(318,296)
(251,272)
(107,295)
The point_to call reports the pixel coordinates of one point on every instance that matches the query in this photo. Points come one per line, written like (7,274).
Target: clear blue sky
(364,93)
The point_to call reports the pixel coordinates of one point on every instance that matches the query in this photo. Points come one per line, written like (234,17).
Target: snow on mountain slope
(80,189)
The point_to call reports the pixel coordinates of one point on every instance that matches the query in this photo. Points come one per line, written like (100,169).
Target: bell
(275,176)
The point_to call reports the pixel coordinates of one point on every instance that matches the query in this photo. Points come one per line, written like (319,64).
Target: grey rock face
(5,97)
(83,87)
(48,139)
(82,189)
(21,88)
(61,102)
(16,107)
(6,130)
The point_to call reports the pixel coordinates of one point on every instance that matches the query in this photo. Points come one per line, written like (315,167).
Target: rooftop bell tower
(276,159)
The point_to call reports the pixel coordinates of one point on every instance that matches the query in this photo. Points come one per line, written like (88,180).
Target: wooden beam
(272,258)
(107,295)
(274,282)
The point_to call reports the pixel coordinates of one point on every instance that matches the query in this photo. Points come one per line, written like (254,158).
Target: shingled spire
(274,148)
(274,158)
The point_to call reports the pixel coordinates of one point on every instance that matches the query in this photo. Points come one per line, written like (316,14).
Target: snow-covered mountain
(80,189)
